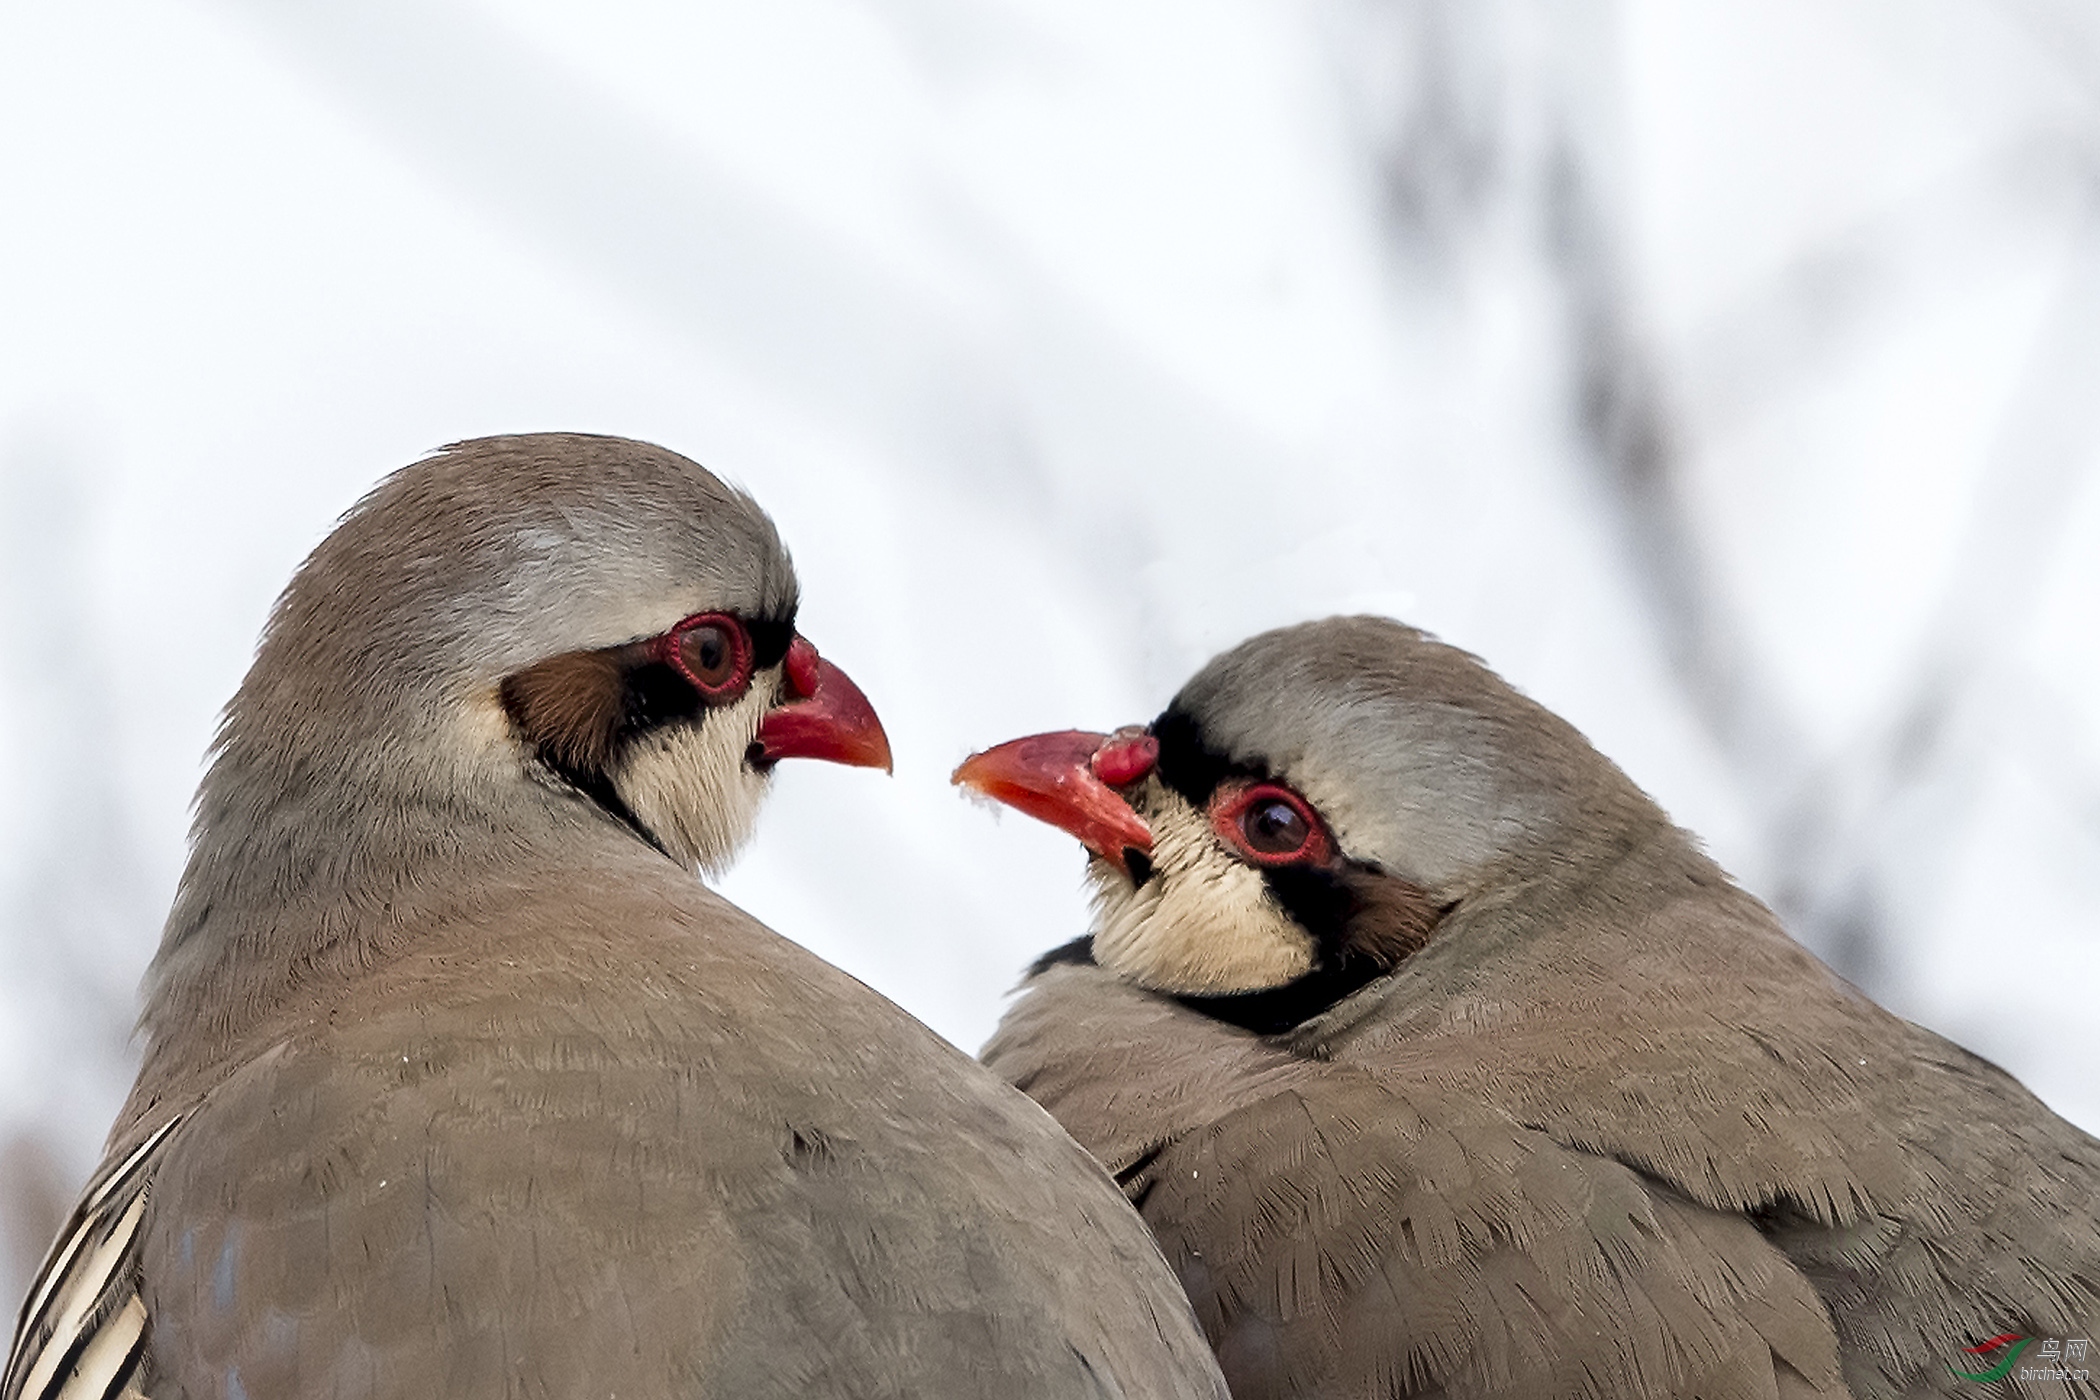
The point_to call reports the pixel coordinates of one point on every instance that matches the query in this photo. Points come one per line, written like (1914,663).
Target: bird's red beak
(1066,780)
(825,716)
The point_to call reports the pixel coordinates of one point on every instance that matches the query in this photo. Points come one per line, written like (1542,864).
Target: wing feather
(83,1328)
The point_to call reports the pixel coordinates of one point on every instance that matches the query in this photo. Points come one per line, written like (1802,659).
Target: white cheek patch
(1204,924)
(690,786)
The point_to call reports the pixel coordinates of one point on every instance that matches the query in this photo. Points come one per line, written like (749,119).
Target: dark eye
(1275,828)
(1269,824)
(714,653)
(708,655)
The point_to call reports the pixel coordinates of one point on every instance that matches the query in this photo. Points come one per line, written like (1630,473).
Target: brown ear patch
(570,708)
(1392,919)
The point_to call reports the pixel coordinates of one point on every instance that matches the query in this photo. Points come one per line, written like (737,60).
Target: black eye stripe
(770,638)
(581,711)
(654,694)
(1188,765)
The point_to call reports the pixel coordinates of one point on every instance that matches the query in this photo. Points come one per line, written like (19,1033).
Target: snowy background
(1727,375)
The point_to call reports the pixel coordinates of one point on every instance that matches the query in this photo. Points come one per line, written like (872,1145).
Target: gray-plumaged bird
(1441,1063)
(457,1083)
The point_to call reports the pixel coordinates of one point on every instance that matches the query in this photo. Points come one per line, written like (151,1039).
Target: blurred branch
(1825,823)
(2048,442)
(1427,82)
(919,363)
(1630,441)
(1789,330)
(681,238)
(1631,437)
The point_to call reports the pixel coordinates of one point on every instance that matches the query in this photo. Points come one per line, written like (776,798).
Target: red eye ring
(1234,807)
(722,682)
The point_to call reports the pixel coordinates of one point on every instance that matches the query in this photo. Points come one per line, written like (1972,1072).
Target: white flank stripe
(105,1358)
(88,1217)
(82,1292)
